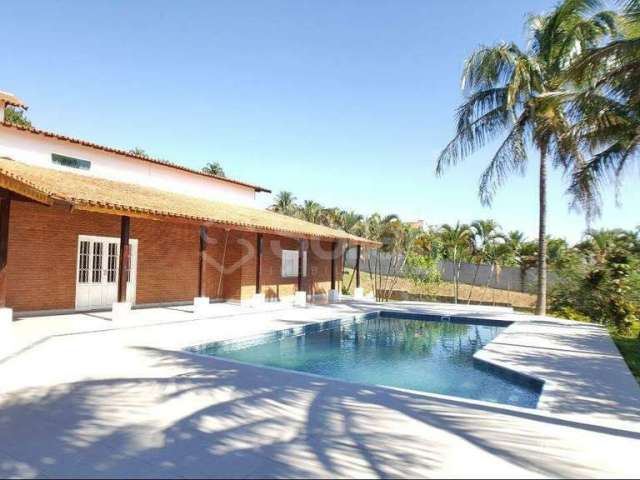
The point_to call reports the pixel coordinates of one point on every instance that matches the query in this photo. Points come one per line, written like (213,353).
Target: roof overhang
(10,99)
(86,193)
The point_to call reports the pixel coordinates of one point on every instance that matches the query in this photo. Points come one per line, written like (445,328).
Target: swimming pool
(392,349)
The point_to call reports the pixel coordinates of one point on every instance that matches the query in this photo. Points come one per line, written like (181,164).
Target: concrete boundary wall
(509,278)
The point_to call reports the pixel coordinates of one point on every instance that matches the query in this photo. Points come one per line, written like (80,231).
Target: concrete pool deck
(81,397)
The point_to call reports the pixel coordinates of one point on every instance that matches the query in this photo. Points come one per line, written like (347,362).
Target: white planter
(300,300)
(6,319)
(334,296)
(358,293)
(201,305)
(257,300)
(120,312)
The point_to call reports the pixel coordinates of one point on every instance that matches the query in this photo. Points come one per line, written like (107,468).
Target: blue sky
(344,102)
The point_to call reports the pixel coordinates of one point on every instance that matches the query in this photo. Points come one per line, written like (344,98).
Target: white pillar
(200,305)
(120,312)
(3,105)
(300,299)
(334,296)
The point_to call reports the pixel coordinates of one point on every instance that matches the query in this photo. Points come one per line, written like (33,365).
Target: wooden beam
(125,252)
(24,190)
(334,251)
(300,263)
(358,252)
(202,266)
(5,210)
(258,262)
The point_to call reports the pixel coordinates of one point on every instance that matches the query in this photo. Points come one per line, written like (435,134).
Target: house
(85,226)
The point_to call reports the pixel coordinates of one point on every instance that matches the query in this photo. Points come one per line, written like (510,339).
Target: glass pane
(83,262)
(96,274)
(112,263)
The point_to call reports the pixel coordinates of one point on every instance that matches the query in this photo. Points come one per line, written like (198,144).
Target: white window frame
(290,263)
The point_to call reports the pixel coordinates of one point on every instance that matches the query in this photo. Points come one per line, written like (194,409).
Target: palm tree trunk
(455,278)
(541,304)
(475,276)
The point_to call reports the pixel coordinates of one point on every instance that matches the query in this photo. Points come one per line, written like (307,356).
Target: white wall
(37,149)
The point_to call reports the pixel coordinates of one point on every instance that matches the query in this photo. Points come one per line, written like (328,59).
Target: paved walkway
(82,397)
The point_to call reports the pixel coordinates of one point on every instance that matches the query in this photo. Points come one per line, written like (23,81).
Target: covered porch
(71,242)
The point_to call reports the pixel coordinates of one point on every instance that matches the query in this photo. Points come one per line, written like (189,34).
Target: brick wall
(43,244)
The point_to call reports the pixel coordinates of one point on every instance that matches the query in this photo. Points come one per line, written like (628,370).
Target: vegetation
(214,168)
(139,152)
(16,116)
(522,94)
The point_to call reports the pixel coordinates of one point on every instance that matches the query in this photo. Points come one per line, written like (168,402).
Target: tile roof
(11,99)
(84,192)
(118,151)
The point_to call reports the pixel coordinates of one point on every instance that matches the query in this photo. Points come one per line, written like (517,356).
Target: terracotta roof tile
(11,99)
(83,192)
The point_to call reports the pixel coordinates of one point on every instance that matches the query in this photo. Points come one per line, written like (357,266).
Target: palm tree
(456,241)
(139,152)
(522,253)
(284,203)
(214,168)
(484,235)
(310,211)
(608,111)
(598,244)
(375,227)
(523,93)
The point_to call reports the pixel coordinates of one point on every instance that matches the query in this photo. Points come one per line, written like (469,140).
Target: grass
(519,300)
(629,346)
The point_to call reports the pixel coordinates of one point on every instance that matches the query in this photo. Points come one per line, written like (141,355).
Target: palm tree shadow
(222,419)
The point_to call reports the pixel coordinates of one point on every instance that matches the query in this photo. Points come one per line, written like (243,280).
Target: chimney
(9,99)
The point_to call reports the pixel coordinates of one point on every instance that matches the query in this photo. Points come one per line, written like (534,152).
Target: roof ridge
(119,151)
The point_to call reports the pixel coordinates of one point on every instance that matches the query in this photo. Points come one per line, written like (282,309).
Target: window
(290,263)
(96,273)
(112,262)
(83,260)
(70,162)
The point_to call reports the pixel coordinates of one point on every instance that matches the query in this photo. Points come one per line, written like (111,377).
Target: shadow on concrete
(217,418)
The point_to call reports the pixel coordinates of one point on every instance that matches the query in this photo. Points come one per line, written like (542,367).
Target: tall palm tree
(456,241)
(608,110)
(523,93)
(284,203)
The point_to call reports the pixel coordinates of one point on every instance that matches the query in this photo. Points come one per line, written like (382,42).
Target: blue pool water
(430,356)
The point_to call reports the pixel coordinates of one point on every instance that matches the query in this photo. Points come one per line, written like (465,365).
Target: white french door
(97,272)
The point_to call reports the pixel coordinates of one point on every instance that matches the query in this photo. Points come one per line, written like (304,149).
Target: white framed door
(97,271)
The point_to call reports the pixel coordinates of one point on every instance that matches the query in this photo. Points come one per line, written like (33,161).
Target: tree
(484,234)
(456,242)
(16,116)
(310,211)
(214,168)
(284,203)
(139,152)
(608,110)
(524,93)
(422,270)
